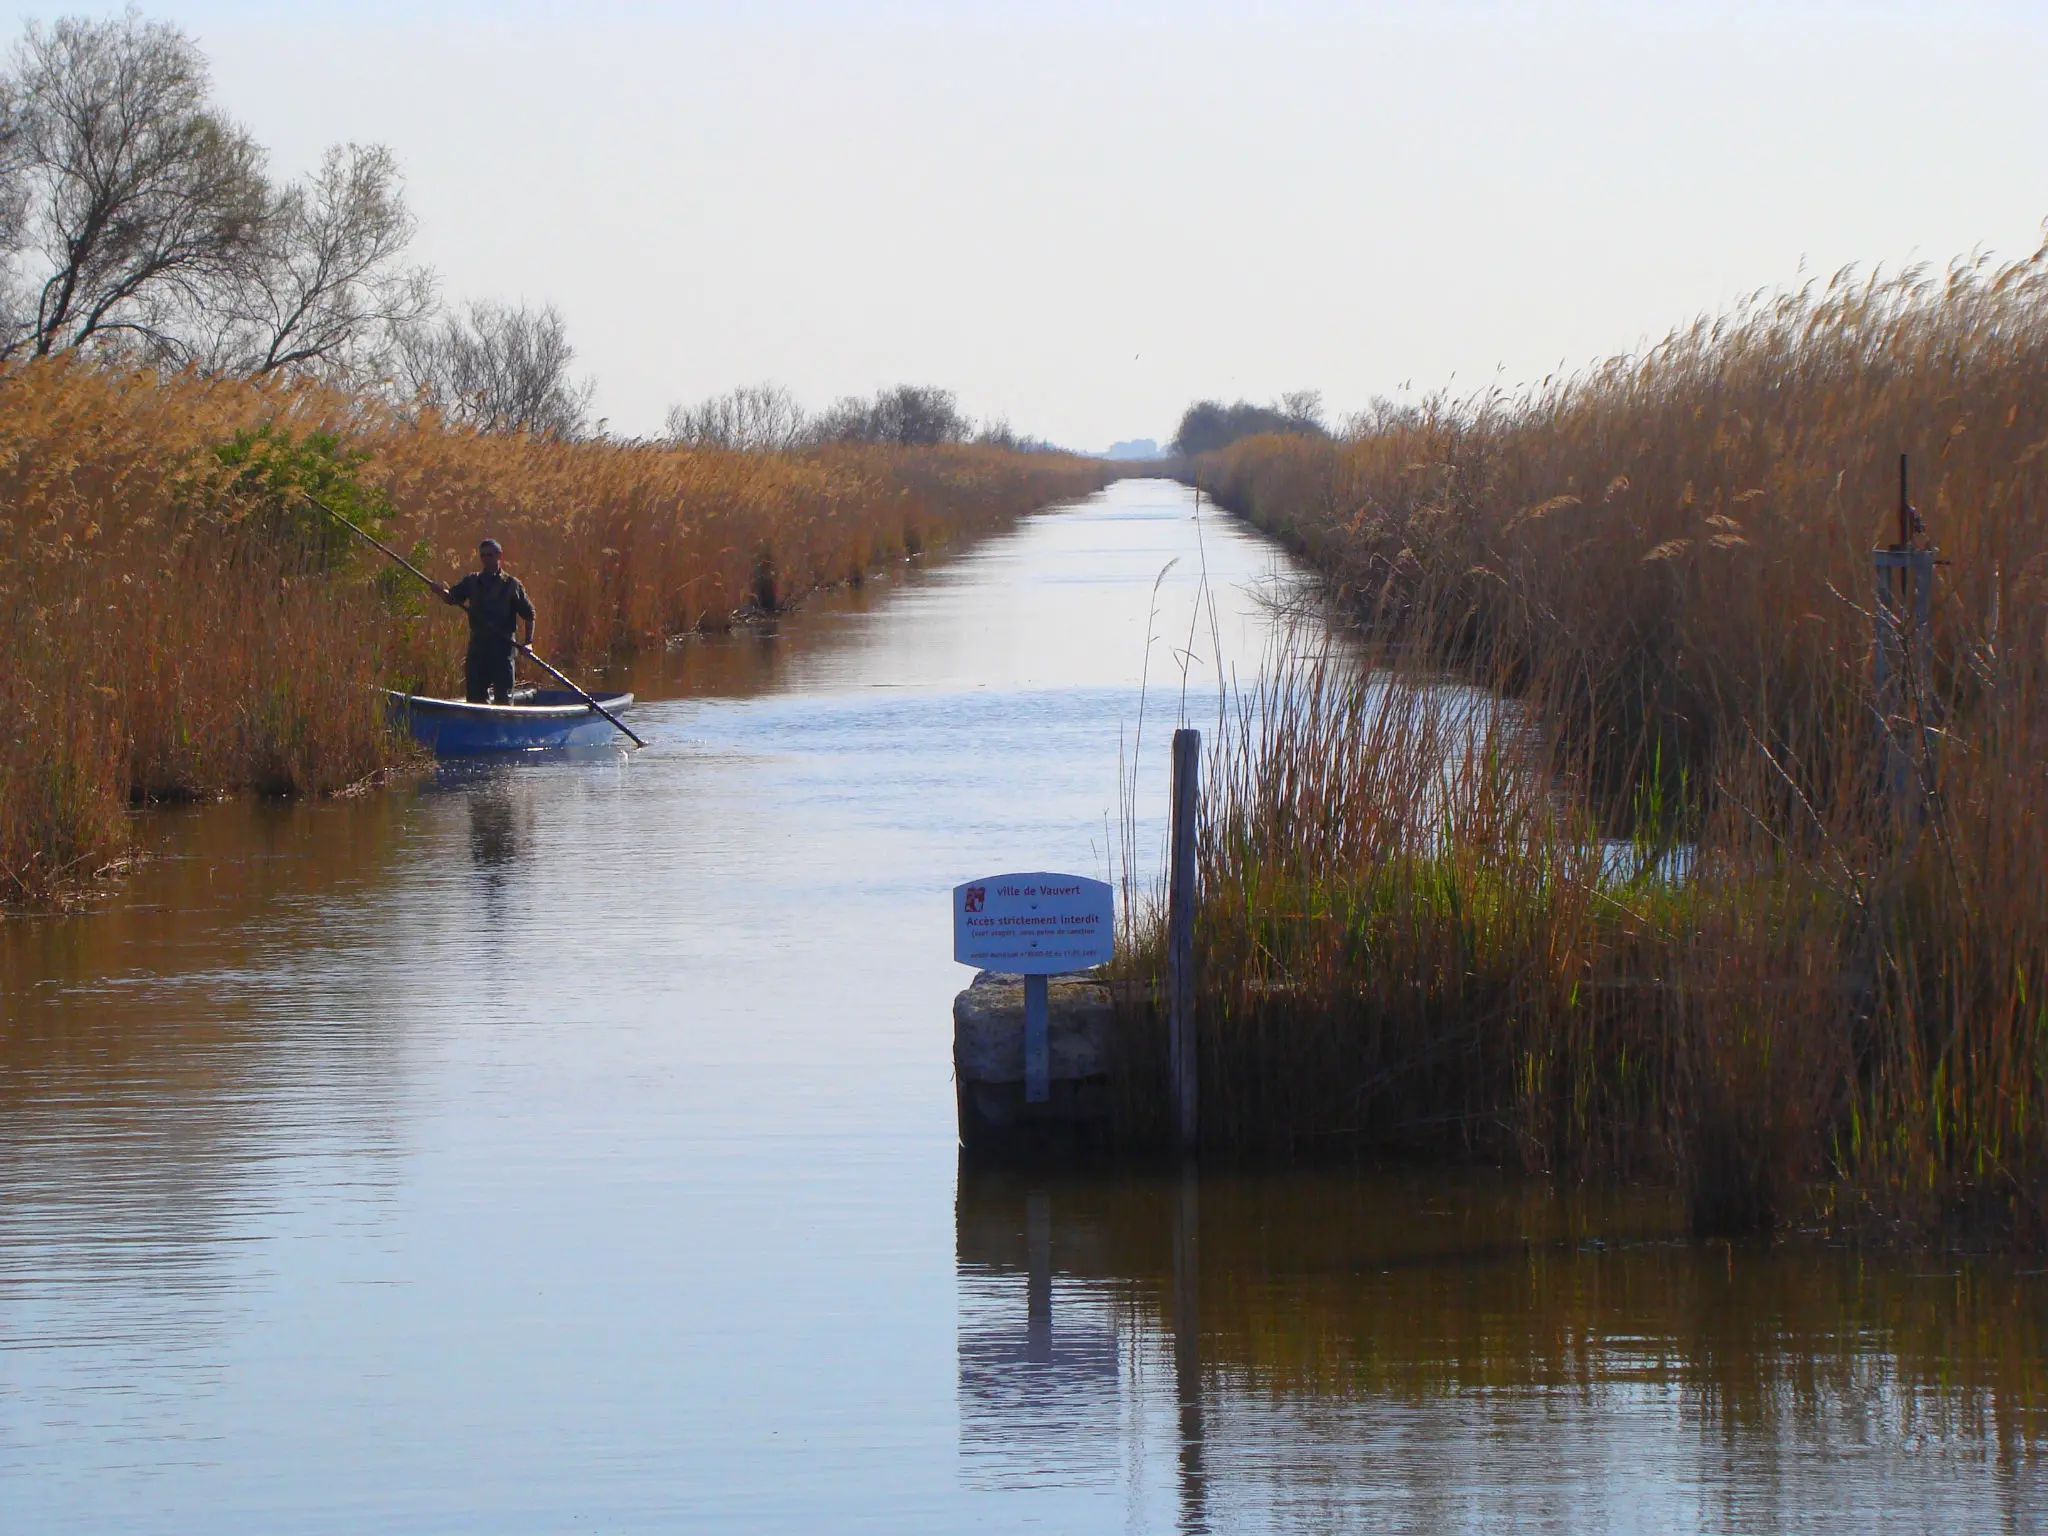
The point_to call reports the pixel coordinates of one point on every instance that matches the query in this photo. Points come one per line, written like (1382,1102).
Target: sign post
(1037,1039)
(1037,925)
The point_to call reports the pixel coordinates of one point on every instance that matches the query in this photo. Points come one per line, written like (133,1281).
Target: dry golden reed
(1682,539)
(168,631)
(1834,999)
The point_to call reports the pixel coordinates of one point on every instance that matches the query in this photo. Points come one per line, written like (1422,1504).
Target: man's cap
(490,546)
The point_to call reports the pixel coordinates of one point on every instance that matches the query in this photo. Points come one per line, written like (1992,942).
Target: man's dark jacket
(494,601)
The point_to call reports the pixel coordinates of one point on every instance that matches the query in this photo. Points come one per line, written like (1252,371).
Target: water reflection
(493,825)
(1038,1364)
(1186,1326)
(751,658)
(1479,1350)
(151,1110)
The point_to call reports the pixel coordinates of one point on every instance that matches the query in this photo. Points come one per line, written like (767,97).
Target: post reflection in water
(1039,1362)
(1051,1412)
(1187,1342)
(1312,1349)
(1038,1257)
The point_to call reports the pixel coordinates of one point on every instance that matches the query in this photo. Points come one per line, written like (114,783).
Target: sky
(1082,217)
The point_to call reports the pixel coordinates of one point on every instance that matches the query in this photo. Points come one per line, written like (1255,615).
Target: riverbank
(179,625)
(1417,930)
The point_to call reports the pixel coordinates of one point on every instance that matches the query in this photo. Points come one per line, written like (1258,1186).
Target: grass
(1635,605)
(178,625)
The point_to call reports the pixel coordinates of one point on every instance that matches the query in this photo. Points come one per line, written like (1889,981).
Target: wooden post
(1037,1045)
(1180,936)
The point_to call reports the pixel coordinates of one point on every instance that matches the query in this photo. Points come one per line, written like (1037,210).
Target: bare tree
(998,433)
(14,195)
(1305,408)
(499,368)
(1382,417)
(138,197)
(910,414)
(327,286)
(755,418)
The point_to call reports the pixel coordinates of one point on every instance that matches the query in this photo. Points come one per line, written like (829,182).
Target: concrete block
(988,1066)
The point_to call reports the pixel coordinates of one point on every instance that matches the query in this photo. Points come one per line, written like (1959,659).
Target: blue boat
(538,717)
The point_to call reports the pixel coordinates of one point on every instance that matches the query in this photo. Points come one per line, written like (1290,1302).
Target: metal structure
(1903,619)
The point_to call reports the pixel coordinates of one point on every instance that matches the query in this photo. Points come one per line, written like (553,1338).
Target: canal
(570,1145)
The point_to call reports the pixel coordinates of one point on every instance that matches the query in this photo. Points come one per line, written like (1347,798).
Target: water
(569,1146)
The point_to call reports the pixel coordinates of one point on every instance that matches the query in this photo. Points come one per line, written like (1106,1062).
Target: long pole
(559,676)
(378,544)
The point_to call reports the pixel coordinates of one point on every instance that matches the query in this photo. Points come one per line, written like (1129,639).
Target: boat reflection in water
(1311,1350)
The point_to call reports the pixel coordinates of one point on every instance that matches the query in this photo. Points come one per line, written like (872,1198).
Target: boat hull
(550,718)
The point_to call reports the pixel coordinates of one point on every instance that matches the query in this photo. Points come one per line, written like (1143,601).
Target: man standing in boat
(497,606)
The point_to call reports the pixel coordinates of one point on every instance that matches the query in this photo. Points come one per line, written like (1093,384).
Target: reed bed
(1679,541)
(177,623)
(1413,934)
(1650,910)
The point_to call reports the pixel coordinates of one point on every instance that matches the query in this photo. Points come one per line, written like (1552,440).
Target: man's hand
(442,588)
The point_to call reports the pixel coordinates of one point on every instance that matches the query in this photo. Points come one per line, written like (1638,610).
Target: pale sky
(1080,217)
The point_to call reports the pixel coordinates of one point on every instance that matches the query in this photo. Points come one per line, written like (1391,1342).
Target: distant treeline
(766,418)
(1208,425)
